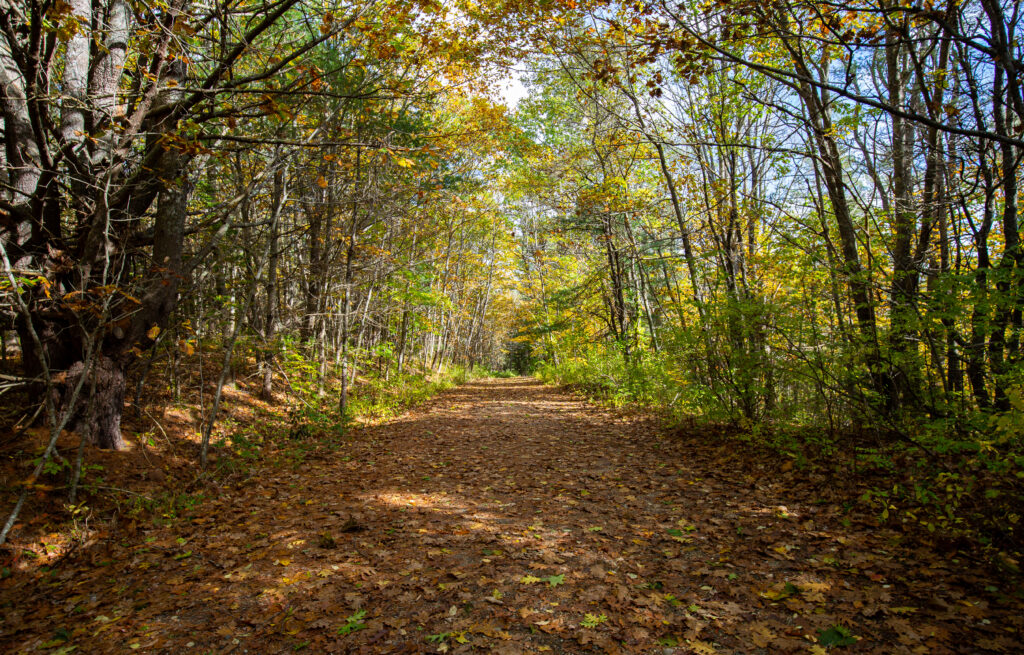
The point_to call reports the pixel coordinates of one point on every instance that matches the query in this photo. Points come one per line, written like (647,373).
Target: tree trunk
(270,310)
(100,423)
(857,278)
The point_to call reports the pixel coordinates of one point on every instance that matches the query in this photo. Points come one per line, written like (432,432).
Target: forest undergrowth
(963,488)
(157,478)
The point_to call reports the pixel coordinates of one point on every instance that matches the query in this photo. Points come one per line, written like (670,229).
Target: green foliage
(52,466)
(438,638)
(555,580)
(166,507)
(648,379)
(300,372)
(837,635)
(382,398)
(353,623)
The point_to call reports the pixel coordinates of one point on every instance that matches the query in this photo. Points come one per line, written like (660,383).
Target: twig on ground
(159,427)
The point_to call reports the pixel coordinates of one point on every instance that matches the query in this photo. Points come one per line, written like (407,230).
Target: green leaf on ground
(353,623)
(837,635)
(555,580)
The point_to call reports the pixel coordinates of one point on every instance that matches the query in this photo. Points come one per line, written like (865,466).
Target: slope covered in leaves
(509,517)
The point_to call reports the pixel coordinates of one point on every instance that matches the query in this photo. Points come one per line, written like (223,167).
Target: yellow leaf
(282,562)
(321,182)
(529,579)
(761,635)
(153,332)
(702,648)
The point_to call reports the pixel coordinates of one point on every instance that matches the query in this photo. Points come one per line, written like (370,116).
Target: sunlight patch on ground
(406,499)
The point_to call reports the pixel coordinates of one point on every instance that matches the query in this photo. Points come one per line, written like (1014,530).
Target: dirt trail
(509,517)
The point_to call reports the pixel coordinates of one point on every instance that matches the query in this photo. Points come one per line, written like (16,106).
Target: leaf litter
(510,517)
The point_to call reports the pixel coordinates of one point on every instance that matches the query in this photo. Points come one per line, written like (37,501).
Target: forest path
(509,517)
